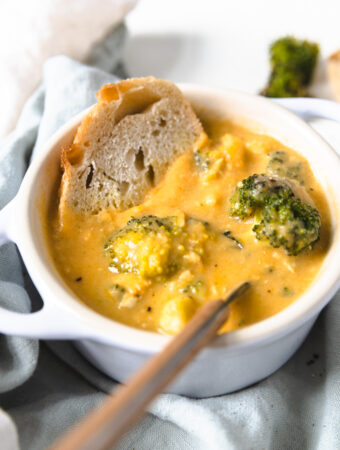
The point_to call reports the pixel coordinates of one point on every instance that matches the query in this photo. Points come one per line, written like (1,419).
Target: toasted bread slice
(125,144)
(333,68)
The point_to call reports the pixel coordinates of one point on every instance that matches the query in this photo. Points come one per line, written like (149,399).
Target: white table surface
(224,43)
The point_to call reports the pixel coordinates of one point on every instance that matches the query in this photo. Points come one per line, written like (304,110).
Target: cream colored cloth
(9,437)
(32,31)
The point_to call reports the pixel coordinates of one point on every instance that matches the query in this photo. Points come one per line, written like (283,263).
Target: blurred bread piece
(333,69)
(125,144)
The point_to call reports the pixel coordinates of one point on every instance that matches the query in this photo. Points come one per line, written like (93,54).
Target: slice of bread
(125,144)
(333,69)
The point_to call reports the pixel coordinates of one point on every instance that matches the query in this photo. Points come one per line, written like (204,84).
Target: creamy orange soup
(206,254)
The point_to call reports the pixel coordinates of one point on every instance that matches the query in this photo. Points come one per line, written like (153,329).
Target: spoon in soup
(106,425)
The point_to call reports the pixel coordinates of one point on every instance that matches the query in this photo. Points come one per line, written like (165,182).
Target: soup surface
(182,247)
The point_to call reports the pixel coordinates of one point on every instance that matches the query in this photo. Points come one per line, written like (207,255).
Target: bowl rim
(105,330)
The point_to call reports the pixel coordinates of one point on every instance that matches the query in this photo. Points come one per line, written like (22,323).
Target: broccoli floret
(292,66)
(291,224)
(281,217)
(143,246)
(202,159)
(279,164)
(156,246)
(194,289)
(209,160)
(255,191)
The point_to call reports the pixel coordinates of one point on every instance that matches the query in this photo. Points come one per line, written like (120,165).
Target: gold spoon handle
(105,426)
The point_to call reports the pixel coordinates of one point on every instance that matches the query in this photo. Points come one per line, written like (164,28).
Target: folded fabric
(297,407)
(31,32)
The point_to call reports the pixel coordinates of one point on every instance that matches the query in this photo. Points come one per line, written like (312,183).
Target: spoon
(105,426)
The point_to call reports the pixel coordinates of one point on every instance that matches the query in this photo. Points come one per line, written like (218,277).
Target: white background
(224,43)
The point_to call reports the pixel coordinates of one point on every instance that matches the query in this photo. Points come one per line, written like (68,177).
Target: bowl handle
(49,322)
(311,108)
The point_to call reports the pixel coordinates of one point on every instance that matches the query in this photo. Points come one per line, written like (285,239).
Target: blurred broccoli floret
(153,246)
(292,66)
(228,149)
(279,164)
(202,159)
(197,289)
(280,217)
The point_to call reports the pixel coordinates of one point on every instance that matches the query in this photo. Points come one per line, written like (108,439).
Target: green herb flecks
(232,238)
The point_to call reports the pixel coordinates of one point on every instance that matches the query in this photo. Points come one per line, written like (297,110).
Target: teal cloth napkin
(46,388)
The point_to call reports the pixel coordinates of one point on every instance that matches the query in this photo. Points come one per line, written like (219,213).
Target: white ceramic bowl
(234,360)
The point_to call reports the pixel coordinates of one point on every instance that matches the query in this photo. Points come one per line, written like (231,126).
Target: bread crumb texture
(125,144)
